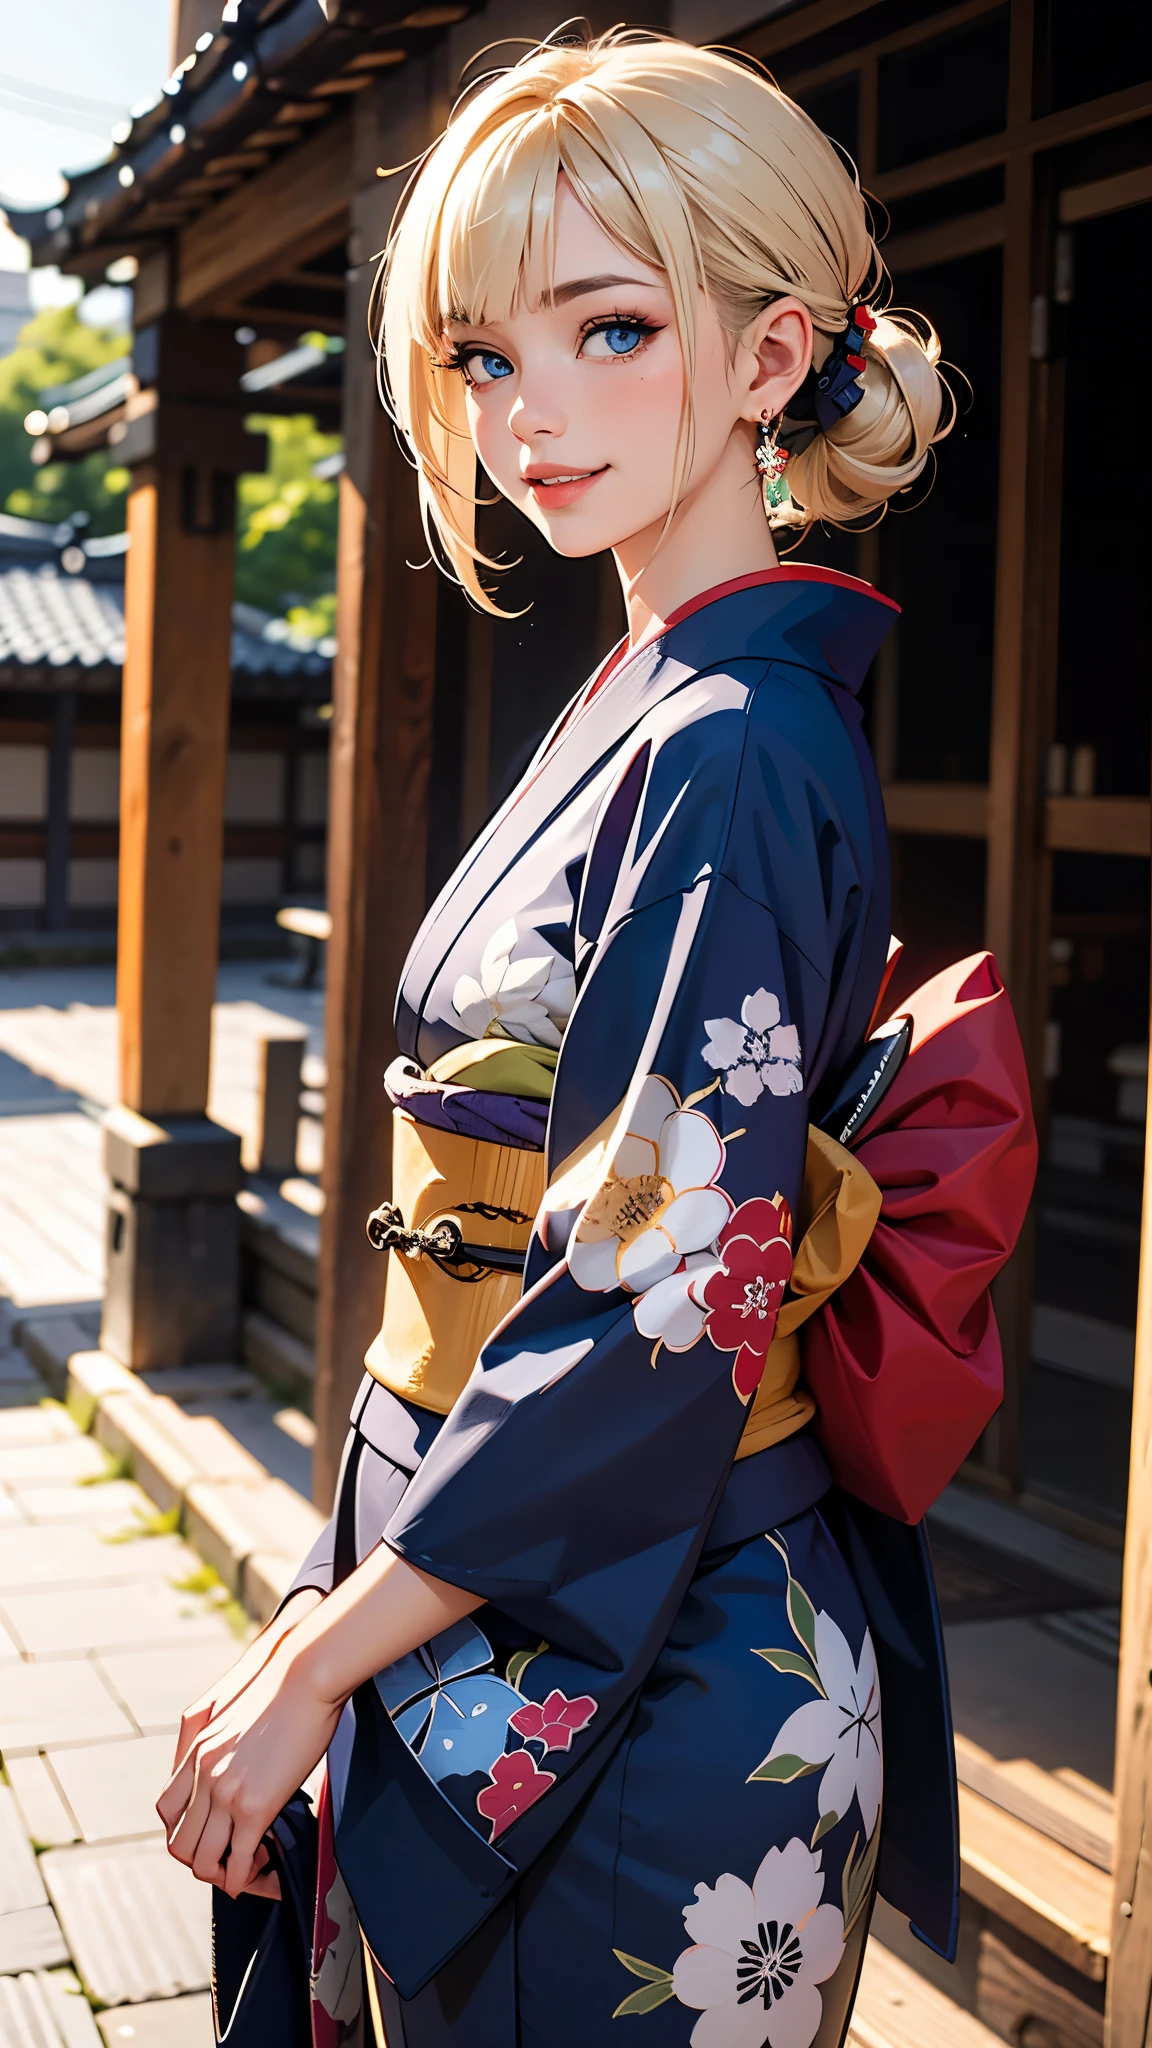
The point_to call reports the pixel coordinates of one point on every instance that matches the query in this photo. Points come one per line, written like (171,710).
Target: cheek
(643,405)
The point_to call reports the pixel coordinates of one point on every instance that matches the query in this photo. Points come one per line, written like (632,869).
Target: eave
(280,72)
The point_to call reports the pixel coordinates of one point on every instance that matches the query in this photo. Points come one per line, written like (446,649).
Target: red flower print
(516,1785)
(556,1722)
(743,1297)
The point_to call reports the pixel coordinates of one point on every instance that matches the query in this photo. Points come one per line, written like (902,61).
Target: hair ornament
(829,394)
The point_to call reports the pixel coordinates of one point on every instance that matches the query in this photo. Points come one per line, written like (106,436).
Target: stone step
(137,1923)
(278,1357)
(45,2009)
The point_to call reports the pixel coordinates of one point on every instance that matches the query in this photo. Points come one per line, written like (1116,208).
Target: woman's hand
(249,1755)
(242,1767)
(233,1682)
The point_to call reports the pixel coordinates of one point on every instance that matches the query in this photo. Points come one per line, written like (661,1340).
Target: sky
(68,70)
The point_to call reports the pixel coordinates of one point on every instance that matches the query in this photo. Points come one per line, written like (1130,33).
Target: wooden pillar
(174,746)
(1016,791)
(1129,2011)
(381,751)
(171,1294)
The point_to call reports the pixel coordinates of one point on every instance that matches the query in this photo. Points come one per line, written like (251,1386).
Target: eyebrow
(581,286)
(578,288)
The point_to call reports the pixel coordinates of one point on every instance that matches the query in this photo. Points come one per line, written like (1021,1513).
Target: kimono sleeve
(573,1483)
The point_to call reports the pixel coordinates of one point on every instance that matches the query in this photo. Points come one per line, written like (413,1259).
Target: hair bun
(881,446)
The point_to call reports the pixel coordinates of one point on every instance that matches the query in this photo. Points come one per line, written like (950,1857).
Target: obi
(459,1223)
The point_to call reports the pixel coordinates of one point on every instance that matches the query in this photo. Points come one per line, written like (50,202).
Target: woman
(592,1671)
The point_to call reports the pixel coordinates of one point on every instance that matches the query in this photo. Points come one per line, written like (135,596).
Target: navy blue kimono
(641,1788)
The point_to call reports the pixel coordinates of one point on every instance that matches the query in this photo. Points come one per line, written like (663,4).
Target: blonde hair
(694,164)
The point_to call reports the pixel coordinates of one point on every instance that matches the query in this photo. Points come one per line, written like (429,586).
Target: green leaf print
(655,1991)
(824,1825)
(802,1615)
(856,1884)
(782,1770)
(801,1612)
(789,1661)
(519,1661)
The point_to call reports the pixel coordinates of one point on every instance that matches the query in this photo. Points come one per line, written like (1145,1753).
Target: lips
(552,486)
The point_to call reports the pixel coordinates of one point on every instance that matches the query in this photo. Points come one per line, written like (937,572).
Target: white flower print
(757,1053)
(760,1952)
(842,1731)
(650,1224)
(528,998)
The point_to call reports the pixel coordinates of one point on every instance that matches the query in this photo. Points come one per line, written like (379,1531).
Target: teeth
(579,478)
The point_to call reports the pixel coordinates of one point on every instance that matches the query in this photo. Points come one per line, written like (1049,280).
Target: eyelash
(605,321)
(458,357)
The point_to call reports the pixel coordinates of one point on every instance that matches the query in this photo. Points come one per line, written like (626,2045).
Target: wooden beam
(1130,1976)
(912,37)
(945,240)
(797,27)
(277,220)
(1106,195)
(1099,824)
(1054,131)
(955,810)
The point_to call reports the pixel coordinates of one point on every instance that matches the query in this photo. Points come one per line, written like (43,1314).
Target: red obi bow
(904,1358)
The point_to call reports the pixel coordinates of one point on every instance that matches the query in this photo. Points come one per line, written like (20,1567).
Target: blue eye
(484,366)
(616,338)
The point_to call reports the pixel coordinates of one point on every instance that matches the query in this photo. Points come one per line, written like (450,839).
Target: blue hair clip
(831,393)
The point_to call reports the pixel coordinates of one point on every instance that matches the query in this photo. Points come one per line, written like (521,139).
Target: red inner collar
(791,572)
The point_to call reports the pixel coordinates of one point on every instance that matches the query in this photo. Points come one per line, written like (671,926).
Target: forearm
(383,1610)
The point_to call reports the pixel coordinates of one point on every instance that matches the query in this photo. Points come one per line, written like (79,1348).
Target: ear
(774,358)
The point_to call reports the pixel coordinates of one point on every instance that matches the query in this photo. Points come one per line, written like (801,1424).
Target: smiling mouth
(572,480)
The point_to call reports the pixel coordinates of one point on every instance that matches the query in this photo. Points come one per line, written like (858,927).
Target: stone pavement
(58,1072)
(107,1630)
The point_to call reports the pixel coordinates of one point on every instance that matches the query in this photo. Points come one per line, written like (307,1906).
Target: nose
(536,412)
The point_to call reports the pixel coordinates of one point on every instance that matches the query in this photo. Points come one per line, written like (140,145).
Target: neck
(718,532)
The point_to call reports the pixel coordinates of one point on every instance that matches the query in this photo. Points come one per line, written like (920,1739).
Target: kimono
(640,1790)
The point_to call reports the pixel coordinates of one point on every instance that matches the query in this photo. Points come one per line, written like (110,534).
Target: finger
(247,1855)
(189,1825)
(266,1886)
(210,1857)
(177,1792)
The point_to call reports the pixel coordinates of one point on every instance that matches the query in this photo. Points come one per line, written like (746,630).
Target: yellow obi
(437,1319)
(452,1196)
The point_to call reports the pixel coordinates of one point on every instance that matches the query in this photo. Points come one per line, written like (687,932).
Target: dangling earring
(771,461)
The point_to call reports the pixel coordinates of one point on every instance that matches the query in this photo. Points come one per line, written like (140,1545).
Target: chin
(574,541)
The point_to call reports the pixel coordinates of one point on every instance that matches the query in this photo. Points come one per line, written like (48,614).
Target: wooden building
(61,652)
(1008,146)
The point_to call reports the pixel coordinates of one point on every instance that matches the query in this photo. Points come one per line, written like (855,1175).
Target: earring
(771,461)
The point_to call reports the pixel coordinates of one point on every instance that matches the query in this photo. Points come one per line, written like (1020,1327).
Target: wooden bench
(314,926)
(1036,1902)
(898,2008)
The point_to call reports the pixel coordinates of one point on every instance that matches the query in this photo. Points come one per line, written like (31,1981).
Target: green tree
(53,348)
(286,526)
(286,519)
